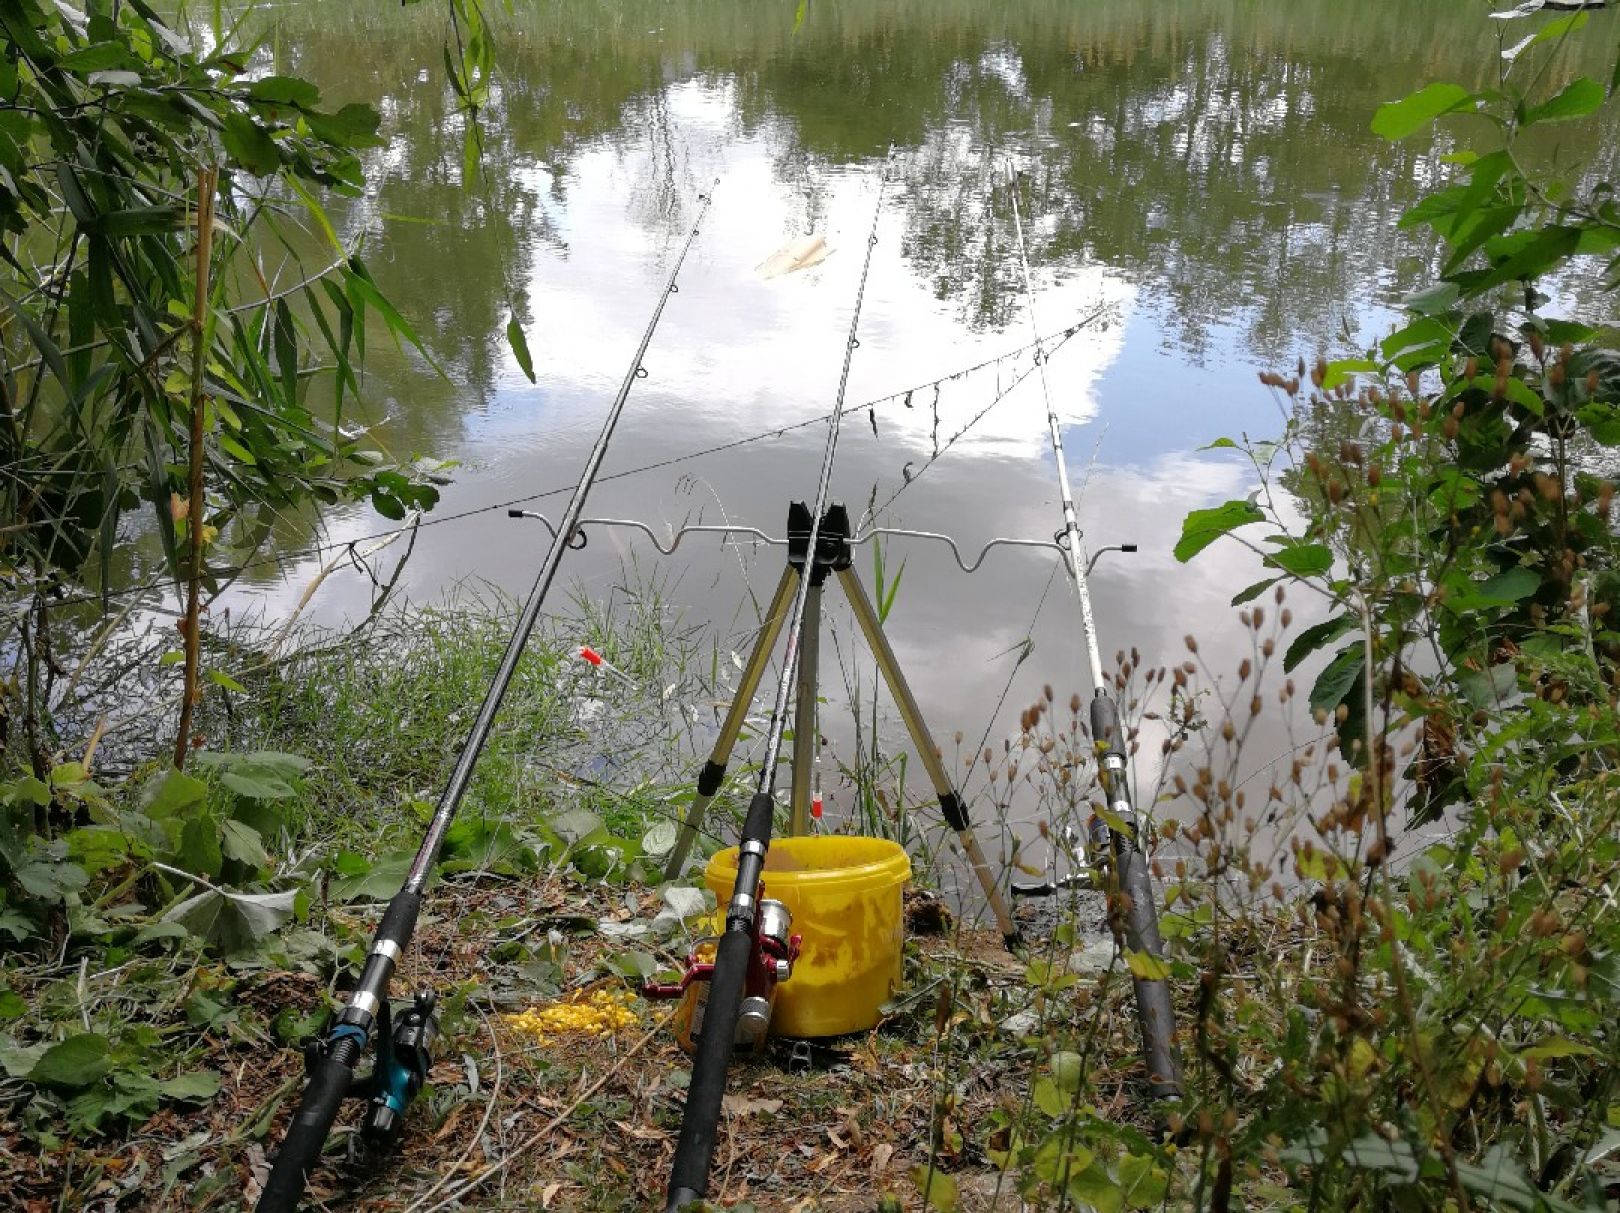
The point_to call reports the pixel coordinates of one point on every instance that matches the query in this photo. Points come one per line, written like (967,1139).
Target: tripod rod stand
(832,555)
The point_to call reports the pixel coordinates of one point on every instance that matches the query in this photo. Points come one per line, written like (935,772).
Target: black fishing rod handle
(329,1083)
(694,1151)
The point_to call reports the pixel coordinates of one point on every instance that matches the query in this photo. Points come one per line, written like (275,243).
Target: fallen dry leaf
(881,1154)
(743,1105)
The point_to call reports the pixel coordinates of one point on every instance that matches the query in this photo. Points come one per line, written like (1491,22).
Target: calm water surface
(1200,177)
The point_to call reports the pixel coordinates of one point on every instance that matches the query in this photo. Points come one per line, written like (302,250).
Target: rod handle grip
(306,1136)
(694,1151)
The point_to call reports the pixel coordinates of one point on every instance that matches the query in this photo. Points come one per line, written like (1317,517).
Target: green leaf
(520,347)
(242,843)
(354,126)
(27,790)
(1142,1183)
(11,1005)
(233,922)
(1303,559)
(97,58)
(1424,341)
(1578,98)
(97,848)
(1048,1098)
(575,825)
(1204,527)
(199,846)
(1094,1187)
(1433,301)
(1254,591)
(256,785)
(75,1062)
(1501,1182)
(196,1087)
(1313,638)
(659,840)
(250,145)
(1559,27)
(50,880)
(1398,119)
(1558,1046)
(1341,370)
(1488,688)
(222,679)
(1525,260)
(1337,680)
(938,1189)
(284,90)
(18,1061)
(137,221)
(171,792)
(374,881)
(1504,589)
(1602,421)
(1067,1070)
(1146,966)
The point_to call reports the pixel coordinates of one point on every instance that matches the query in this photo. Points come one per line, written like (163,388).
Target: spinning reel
(404,1056)
(771,961)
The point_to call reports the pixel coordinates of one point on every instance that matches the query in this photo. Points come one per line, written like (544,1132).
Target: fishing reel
(1089,859)
(770,962)
(404,1056)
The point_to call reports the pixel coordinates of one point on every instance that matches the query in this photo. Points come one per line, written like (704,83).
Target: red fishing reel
(771,961)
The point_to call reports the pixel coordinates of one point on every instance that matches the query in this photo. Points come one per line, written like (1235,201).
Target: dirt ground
(582,1121)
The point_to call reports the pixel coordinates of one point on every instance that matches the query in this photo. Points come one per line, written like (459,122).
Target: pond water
(1200,181)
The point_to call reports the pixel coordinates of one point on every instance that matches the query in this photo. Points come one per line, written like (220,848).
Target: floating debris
(603,1013)
(797,254)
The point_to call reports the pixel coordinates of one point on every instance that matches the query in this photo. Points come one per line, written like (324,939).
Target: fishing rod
(754,952)
(1138,916)
(404,1049)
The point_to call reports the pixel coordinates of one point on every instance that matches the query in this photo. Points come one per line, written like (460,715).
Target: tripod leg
(949,802)
(804,713)
(714,771)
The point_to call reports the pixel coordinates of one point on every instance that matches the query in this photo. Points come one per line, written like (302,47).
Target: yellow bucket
(845,898)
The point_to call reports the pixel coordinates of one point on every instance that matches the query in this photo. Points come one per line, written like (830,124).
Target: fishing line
(280,559)
(1061,339)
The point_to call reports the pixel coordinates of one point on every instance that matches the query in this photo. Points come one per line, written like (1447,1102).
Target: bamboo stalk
(207,182)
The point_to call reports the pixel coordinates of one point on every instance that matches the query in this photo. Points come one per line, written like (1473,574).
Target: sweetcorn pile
(603,1013)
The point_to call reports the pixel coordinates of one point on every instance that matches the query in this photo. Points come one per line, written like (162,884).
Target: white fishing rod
(1132,909)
